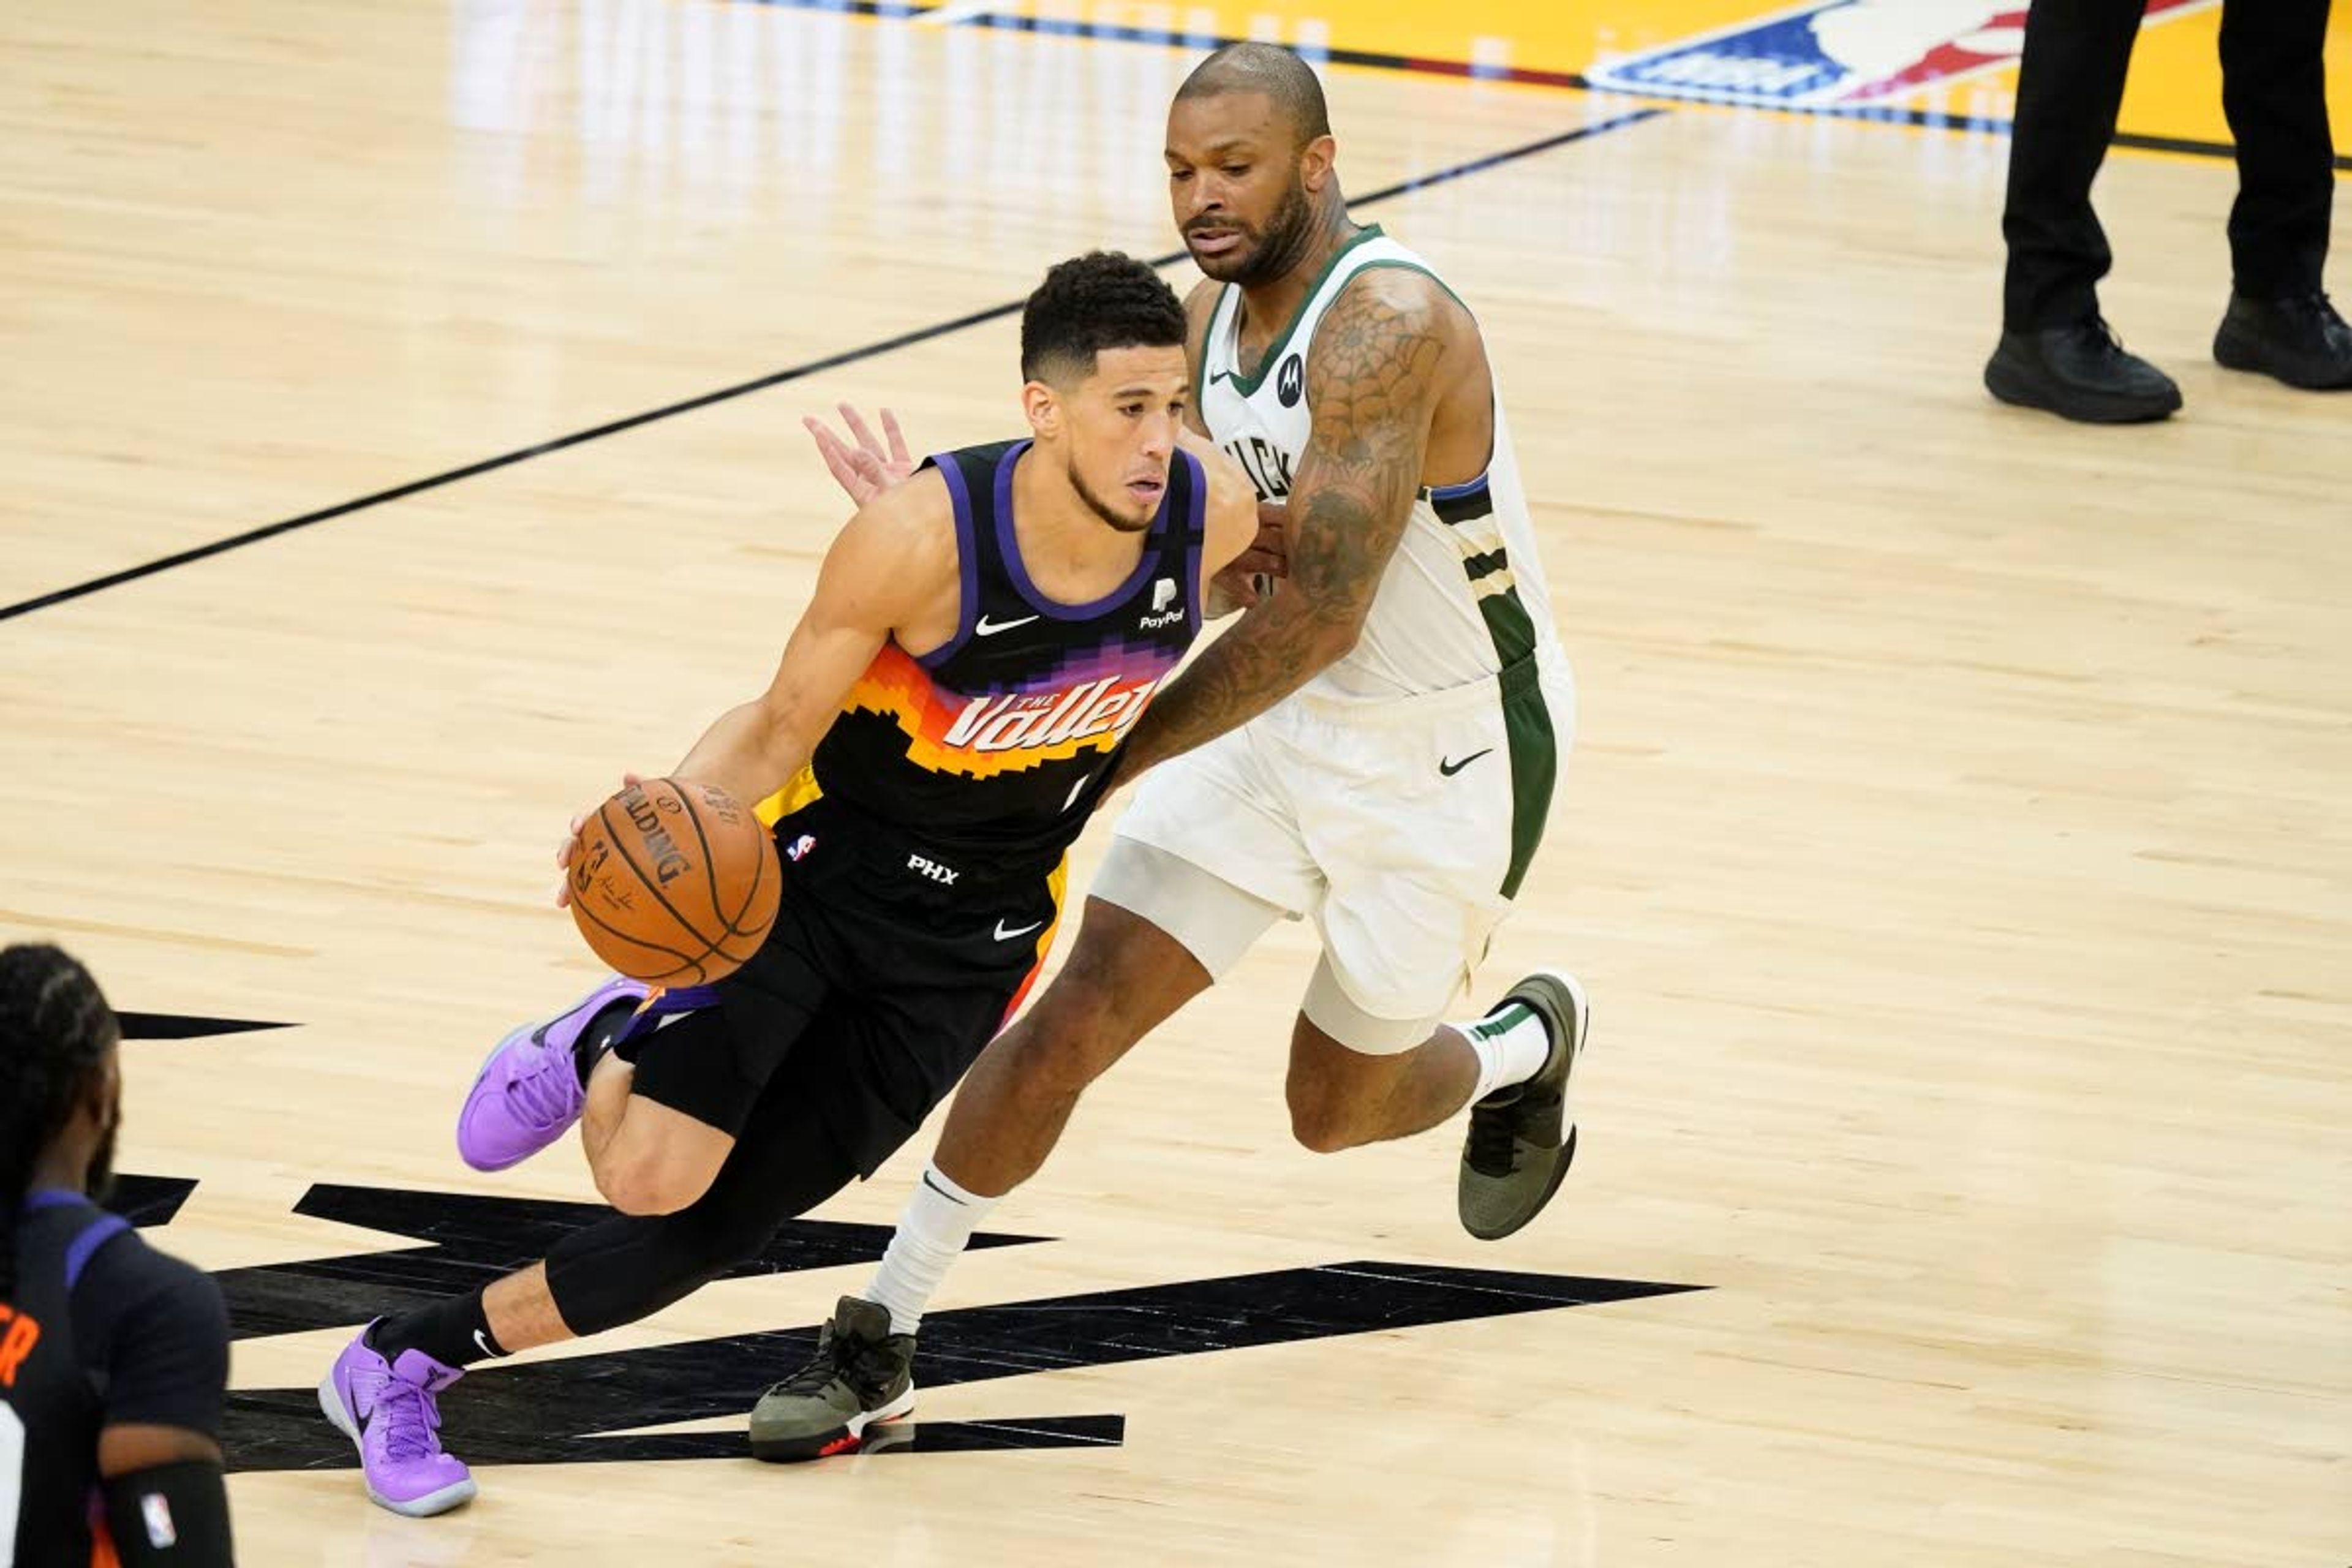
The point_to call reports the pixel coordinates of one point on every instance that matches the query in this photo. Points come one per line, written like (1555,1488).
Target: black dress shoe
(2300,340)
(2079,371)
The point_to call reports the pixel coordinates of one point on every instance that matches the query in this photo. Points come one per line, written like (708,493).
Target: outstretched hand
(868,468)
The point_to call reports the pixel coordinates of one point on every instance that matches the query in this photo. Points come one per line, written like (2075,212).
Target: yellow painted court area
(2174,88)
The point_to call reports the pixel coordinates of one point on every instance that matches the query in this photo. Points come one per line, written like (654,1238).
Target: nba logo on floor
(1843,54)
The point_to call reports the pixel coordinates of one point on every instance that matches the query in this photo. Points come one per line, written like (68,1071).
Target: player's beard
(1104,509)
(1279,249)
(99,1183)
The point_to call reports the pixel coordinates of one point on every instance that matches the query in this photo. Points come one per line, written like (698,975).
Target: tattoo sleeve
(1371,382)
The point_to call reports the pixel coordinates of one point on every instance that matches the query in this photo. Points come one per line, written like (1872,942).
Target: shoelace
(408,1417)
(2095,330)
(819,1370)
(864,1365)
(549,1092)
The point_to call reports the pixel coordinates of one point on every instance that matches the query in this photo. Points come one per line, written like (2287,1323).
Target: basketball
(674,882)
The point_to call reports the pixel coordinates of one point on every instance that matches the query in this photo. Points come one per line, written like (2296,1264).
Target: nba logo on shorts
(801,846)
(1843,54)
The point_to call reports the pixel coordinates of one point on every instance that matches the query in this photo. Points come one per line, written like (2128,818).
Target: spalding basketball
(674,882)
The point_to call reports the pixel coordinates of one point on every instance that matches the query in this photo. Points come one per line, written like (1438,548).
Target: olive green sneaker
(862,1375)
(1522,1139)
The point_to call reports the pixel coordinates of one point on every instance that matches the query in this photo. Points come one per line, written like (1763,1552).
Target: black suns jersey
(97,1330)
(996,745)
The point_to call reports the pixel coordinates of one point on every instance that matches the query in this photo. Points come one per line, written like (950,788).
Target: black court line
(2194,149)
(489,465)
(1936,120)
(759,383)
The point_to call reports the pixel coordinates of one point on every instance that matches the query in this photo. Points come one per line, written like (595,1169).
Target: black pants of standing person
(2056,353)
(2070,86)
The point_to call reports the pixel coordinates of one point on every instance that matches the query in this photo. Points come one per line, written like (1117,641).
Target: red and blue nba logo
(1843,54)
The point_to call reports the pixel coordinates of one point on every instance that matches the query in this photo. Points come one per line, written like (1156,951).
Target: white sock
(1512,1044)
(931,1234)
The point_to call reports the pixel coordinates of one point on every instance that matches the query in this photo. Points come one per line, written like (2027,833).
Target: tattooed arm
(1373,380)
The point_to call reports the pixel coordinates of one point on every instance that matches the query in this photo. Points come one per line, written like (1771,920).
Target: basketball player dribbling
(944,719)
(1402,702)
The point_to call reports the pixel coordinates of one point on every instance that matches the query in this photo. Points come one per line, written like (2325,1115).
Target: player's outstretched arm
(1371,379)
(888,562)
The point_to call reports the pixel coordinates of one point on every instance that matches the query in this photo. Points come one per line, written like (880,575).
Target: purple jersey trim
(968,558)
(1018,570)
(98,1235)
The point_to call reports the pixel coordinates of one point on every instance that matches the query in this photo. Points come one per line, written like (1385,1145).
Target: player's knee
(643,1182)
(1321,1129)
(642,1194)
(1335,1093)
(1323,1122)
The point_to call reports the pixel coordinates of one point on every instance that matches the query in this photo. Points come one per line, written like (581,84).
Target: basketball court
(402,428)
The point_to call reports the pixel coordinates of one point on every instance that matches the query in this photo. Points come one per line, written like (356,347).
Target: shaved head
(1271,69)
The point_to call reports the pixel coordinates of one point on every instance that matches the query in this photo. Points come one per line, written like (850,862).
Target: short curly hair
(1100,300)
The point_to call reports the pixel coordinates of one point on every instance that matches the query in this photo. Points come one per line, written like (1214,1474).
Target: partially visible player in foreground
(1403,702)
(114,1357)
(945,718)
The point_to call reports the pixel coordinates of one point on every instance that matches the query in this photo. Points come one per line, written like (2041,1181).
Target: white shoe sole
(331,1405)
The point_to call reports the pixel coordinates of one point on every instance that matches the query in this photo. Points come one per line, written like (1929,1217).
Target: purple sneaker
(529,1093)
(391,1412)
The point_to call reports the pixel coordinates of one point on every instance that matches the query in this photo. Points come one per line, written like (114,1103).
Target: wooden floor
(1956,847)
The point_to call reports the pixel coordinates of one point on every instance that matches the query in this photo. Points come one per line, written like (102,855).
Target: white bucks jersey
(1464,595)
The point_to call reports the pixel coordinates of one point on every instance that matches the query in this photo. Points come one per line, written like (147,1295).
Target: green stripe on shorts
(1535,760)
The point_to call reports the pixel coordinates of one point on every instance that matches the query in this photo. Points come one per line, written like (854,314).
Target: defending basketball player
(945,717)
(1404,703)
(114,1357)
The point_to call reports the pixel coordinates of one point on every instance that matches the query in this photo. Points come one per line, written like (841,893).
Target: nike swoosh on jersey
(1003,935)
(989,628)
(1450,768)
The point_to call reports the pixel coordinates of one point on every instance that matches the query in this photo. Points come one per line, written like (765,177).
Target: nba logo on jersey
(155,1513)
(1843,54)
(801,846)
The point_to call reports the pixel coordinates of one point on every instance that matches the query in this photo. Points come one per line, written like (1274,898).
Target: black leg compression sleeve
(629,1267)
(171,1516)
